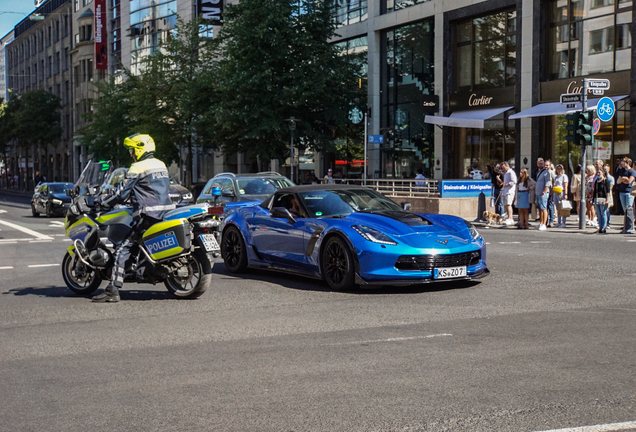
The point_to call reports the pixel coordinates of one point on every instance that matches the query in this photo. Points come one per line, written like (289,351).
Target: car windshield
(60,188)
(340,203)
(261,186)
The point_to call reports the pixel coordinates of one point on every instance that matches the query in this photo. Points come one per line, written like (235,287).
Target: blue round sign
(605,109)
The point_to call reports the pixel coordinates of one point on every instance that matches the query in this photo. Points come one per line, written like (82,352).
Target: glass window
(350,12)
(394,5)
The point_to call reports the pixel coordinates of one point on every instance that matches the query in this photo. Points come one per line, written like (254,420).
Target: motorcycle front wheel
(191,280)
(78,277)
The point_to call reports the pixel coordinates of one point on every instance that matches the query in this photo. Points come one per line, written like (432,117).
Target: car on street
(50,199)
(243,188)
(180,195)
(351,235)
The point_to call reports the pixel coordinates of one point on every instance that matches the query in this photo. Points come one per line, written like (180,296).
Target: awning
(466,119)
(557,108)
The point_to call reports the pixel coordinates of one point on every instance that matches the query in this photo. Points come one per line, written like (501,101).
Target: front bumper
(423,280)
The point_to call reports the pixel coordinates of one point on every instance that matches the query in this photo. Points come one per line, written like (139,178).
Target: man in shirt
(542,190)
(420,178)
(508,191)
(624,181)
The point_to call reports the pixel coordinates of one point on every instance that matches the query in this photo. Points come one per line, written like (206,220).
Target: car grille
(430,262)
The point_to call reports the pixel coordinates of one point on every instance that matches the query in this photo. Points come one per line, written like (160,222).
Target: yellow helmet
(140,144)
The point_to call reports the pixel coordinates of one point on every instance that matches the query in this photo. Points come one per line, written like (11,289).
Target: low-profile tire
(198,280)
(82,280)
(337,264)
(33,211)
(233,250)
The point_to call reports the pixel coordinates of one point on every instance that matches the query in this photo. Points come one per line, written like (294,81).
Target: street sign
(598,92)
(568,98)
(605,109)
(596,126)
(376,139)
(570,106)
(356,115)
(598,84)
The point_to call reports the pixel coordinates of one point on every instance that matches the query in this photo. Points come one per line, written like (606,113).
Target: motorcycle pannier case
(168,239)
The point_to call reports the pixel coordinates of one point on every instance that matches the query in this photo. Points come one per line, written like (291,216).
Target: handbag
(599,201)
(566,205)
(633,192)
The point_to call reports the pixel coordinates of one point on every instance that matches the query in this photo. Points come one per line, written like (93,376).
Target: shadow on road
(51,291)
(306,284)
(62,291)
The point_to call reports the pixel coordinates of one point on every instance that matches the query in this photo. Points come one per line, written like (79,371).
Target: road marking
(43,265)
(598,428)
(57,223)
(10,242)
(537,242)
(6,268)
(391,339)
(26,230)
(3,211)
(509,242)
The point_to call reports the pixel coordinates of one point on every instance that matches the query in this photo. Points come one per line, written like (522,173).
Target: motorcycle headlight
(473,231)
(187,196)
(57,202)
(372,235)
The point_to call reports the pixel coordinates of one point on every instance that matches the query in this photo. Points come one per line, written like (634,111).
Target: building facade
(456,83)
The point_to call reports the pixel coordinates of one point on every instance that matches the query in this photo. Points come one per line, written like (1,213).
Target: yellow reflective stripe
(164,254)
(71,250)
(162,226)
(85,219)
(107,217)
(145,165)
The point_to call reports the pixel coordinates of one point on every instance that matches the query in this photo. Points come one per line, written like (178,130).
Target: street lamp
(292,127)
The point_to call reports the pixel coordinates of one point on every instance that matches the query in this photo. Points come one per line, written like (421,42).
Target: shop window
(486,51)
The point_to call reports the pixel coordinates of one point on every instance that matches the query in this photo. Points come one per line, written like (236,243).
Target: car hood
(61,196)
(178,188)
(443,231)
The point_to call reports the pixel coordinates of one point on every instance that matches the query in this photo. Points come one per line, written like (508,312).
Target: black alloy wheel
(233,250)
(337,265)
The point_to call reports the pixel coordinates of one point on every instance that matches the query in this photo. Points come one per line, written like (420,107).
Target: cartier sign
(475,100)
(480,99)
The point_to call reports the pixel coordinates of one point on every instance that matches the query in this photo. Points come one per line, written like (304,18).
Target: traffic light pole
(582,207)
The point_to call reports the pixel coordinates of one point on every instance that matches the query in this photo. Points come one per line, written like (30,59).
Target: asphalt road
(548,341)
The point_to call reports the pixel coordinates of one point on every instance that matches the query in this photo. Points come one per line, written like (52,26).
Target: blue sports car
(351,235)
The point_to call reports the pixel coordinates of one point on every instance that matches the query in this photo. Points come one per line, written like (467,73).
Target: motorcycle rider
(147,185)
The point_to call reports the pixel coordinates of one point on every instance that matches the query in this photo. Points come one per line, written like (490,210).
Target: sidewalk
(572,226)
(16,192)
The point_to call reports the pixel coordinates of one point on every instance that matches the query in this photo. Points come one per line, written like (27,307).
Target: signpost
(605,109)
(568,98)
(598,84)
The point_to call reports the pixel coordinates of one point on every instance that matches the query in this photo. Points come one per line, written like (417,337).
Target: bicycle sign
(605,109)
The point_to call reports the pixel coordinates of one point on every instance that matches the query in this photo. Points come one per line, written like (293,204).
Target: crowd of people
(554,194)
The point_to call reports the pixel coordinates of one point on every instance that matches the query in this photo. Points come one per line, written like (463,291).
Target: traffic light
(580,131)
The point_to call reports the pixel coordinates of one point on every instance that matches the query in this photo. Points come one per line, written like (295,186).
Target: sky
(12,12)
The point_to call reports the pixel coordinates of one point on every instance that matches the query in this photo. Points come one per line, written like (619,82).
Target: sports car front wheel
(233,250)
(337,265)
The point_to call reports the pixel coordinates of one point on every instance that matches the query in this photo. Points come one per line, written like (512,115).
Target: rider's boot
(110,295)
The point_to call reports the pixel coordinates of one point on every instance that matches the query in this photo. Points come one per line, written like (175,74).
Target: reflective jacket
(147,185)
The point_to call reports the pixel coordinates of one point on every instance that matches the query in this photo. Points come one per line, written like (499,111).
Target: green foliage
(276,62)
(33,118)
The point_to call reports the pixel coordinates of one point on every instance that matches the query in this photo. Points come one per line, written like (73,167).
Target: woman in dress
(560,193)
(589,192)
(576,189)
(523,200)
(601,195)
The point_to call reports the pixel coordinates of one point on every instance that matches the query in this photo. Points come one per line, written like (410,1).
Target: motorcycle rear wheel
(79,278)
(196,282)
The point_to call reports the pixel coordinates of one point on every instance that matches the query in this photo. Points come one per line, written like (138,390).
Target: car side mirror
(283,213)
(229,194)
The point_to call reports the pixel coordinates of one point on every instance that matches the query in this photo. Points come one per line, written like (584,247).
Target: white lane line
(537,242)
(6,268)
(390,339)
(26,230)
(11,242)
(43,265)
(3,211)
(58,223)
(509,242)
(598,428)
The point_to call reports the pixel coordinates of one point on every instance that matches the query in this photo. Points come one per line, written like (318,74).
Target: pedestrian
(488,173)
(329,176)
(601,199)
(523,198)
(589,192)
(560,193)
(612,183)
(497,184)
(508,191)
(542,190)
(624,182)
(550,168)
(475,173)
(420,179)
(575,188)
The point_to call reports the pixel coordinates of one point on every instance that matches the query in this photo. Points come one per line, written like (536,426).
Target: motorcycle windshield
(93,176)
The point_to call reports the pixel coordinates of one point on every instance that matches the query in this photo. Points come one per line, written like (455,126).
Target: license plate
(209,242)
(449,272)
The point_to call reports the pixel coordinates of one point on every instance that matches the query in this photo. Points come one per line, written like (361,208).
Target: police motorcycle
(178,251)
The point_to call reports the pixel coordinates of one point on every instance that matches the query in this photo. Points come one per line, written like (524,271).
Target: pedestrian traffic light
(580,131)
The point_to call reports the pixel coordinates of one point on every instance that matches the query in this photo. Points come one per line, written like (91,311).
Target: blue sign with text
(464,188)
(376,139)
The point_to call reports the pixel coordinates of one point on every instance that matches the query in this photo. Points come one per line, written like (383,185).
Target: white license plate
(449,272)
(209,242)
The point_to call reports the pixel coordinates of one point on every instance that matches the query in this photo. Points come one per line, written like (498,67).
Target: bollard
(481,207)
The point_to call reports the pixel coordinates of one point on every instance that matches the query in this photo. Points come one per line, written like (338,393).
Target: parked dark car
(241,188)
(50,199)
(179,195)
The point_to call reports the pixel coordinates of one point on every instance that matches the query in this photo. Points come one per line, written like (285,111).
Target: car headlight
(372,235)
(473,231)
(57,202)
(187,196)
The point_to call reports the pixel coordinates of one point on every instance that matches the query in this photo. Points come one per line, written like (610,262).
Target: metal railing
(398,188)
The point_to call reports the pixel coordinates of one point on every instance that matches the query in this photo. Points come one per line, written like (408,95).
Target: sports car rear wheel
(233,250)
(337,265)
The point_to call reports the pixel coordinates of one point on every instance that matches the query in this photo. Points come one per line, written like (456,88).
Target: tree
(276,62)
